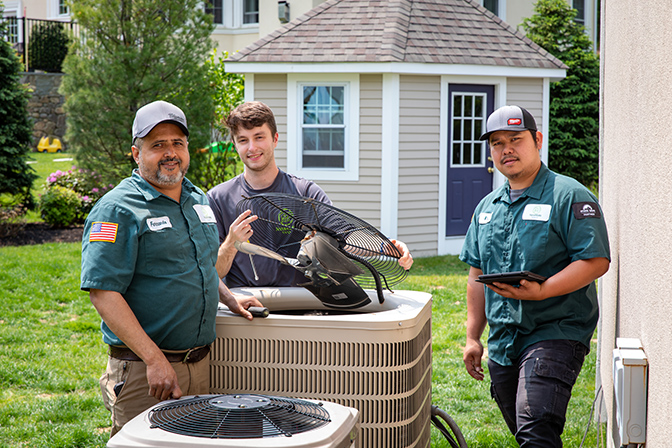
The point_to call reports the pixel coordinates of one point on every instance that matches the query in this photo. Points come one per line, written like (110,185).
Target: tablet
(512,278)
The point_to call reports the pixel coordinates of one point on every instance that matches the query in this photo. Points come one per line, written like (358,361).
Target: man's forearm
(225,255)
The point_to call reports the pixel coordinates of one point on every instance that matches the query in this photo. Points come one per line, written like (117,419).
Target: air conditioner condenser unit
(377,359)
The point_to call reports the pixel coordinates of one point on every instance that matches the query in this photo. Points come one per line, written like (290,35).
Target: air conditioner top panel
(400,306)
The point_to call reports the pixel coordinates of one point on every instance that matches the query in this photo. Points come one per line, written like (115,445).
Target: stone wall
(45,106)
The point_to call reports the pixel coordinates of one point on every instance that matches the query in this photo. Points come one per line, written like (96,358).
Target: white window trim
(350,172)
(501,7)
(232,15)
(53,13)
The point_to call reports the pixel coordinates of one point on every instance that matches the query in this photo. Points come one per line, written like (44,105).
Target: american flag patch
(103,231)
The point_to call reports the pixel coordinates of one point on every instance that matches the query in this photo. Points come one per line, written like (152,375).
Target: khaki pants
(134,398)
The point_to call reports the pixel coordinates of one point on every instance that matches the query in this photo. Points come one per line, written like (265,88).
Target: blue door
(469,165)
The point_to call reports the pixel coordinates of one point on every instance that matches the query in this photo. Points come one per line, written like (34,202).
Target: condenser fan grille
(285,220)
(238,416)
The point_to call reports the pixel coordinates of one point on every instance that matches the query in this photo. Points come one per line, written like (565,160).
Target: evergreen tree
(573,133)
(16,176)
(130,53)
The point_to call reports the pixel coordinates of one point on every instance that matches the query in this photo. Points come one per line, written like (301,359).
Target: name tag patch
(156,224)
(537,212)
(205,213)
(584,210)
(484,218)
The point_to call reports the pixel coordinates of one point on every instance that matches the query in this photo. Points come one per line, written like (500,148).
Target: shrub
(47,47)
(60,206)
(84,185)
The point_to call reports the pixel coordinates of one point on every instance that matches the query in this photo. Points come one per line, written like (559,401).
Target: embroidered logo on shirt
(103,231)
(537,212)
(584,210)
(161,223)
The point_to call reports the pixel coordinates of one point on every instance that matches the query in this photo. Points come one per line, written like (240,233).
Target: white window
(58,9)
(467,125)
(323,127)
(233,13)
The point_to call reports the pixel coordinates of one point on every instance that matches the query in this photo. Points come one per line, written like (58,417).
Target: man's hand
(472,355)
(240,229)
(528,290)
(406,260)
(162,380)
(237,303)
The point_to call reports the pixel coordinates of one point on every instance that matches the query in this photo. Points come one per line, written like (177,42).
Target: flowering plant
(86,187)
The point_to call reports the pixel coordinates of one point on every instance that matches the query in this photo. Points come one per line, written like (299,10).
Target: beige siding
(362,198)
(419,124)
(527,93)
(272,90)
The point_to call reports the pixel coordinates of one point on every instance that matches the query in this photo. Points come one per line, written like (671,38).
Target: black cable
(455,442)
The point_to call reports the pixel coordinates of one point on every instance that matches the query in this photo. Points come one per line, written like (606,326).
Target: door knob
(489,159)
(491,170)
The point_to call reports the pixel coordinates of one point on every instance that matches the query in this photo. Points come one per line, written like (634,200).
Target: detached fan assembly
(339,254)
(241,420)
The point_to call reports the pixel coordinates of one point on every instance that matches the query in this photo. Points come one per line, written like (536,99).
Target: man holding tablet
(540,331)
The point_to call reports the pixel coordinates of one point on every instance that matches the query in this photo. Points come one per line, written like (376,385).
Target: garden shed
(382,103)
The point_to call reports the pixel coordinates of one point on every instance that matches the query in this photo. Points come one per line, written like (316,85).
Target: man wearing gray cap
(540,331)
(148,261)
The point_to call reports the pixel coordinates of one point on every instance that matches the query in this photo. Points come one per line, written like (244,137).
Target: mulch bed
(39,232)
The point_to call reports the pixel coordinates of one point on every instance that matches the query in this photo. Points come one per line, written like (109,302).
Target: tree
(132,52)
(573,133)
(16,176)
(219,162)
(47,47)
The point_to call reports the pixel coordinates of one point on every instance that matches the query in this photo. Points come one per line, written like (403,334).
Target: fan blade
(323,248)
(253,249)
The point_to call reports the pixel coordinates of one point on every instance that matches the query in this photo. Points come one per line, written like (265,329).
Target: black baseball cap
(509,118)
(149,115)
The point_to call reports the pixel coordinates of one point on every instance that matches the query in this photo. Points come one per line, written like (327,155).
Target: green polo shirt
(556,221)
(160,256)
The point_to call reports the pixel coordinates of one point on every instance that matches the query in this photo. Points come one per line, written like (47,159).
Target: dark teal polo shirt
(556,221)
(160,256)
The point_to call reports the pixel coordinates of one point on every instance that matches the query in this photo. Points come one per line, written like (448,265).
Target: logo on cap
(514,122)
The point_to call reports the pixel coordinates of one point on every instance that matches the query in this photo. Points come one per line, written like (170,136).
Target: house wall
(419,142)
(635,193)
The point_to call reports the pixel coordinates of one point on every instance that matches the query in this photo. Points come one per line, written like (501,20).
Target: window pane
(492,6)
(478,128)
(478,106)
(467,130)
(466,153)
(457,106)
(310,139)
(478,153)
(331,161)
(456,154)
(468,106)
(215,8)
(580,6)
(251,11)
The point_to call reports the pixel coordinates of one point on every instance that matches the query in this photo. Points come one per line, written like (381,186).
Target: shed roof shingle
(413,31)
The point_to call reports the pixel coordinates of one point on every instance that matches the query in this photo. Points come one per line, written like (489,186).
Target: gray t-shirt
(223,199)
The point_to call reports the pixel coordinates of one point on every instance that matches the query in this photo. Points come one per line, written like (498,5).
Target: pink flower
(94,190)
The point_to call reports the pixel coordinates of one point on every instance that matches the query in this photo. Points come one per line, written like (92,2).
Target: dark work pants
(533,394)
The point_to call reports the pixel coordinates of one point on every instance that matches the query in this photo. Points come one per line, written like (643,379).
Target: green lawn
(53,355)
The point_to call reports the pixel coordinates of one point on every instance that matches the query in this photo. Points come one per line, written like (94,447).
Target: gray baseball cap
(509,118)
(149,115)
